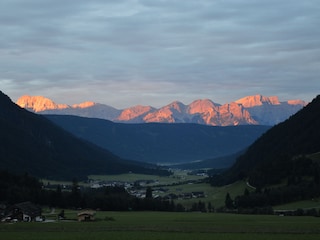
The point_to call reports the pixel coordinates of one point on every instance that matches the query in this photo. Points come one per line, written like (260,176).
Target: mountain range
(250,110)
(30,143)
(162,143)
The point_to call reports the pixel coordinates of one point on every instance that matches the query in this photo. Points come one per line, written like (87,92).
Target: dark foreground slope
(31,143)
(159,142)
(281,152)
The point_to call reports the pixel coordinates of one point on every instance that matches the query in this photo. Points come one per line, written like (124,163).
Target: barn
(87,215)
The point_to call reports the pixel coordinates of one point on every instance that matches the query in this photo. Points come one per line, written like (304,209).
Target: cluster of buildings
(21,212)
(138,189)
(29,212)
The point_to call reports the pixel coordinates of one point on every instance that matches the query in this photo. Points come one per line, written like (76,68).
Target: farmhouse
(198,194)
(87,215)
(25,211)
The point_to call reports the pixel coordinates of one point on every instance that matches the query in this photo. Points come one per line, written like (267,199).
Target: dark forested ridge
(282,151)
(160,142)
(219,163)
(283,165)
(31,143)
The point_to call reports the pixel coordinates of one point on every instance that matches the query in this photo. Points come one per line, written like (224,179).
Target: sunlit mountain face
(250,110)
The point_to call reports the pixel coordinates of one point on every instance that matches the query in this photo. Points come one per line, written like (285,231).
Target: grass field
(306,204)
(214,195)
(178,176)
(162,225)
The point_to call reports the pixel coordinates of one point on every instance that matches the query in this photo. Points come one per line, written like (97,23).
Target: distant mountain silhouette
(162,143)
(33,144)
(281,151)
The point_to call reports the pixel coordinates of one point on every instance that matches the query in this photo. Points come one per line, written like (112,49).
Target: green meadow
(164,225)
(176,184)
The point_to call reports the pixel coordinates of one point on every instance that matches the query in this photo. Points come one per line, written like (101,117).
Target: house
(87,215)
(198,194)
(25,211)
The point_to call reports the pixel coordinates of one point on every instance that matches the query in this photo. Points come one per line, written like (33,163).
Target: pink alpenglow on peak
(165,115)
(134,112)
(39,103)
(258,100)
(202,106)
(176,105)
(84,105)
(253,110)
(297,102)
(175,112)
(235,114)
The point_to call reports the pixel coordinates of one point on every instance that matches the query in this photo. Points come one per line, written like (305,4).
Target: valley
(159,120)
(268,169)
(183,187)
(163,143)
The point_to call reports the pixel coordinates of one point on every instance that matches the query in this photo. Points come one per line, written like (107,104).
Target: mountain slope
(159,142)
(217,163)
(252,110)
(31,143)
(272,157)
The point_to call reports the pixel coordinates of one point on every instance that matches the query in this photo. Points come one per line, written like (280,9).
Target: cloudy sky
(152,52)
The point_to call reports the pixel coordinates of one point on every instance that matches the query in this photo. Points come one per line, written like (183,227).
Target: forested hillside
(162,143)
(283,165)
(271,156)
(31,143)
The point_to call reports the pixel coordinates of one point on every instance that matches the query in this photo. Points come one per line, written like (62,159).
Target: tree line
(20,188)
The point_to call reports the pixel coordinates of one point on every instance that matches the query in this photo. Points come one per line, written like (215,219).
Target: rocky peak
(202,106)
(39,103)
(176,105)
(84,105)
(258,100)
(235,114)
(255,109)
(297,102)
(134,112)
(164,114)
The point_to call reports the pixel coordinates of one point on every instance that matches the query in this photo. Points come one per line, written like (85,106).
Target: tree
(149,192)
(246,192)
(210,207)
(316,176)
(229,202)
(75,194)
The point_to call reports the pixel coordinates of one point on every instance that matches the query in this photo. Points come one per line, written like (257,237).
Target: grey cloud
(186,48)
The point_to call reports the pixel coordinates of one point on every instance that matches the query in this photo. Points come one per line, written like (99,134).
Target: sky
(152,52)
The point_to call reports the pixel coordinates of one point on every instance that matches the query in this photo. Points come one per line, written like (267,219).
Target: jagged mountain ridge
(252,110)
